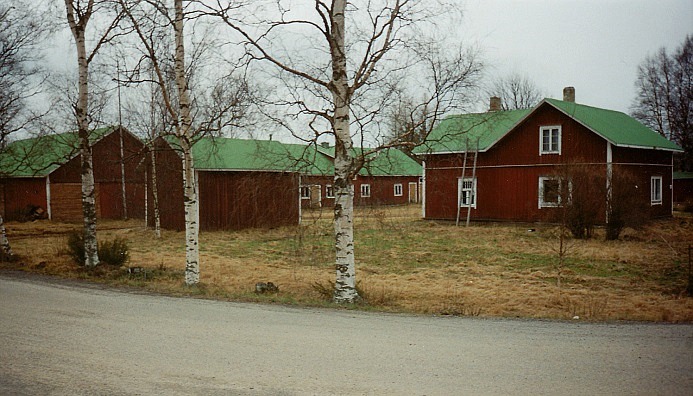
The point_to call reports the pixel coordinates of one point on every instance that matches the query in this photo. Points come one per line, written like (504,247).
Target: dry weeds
(405,264)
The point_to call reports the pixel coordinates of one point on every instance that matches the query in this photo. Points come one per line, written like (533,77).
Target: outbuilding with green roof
(40,176)
(247,183)
(516,165)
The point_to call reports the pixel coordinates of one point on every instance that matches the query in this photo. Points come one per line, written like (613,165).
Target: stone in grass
(264,288)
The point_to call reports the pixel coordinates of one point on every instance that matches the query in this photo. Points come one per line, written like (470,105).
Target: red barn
(258,183)
(512,165)
(241,184)
(43,175)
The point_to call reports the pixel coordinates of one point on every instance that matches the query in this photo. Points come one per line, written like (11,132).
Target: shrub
(115,252)
(580,220)
(615,225)
(75,247)
(581,196)
(626,207)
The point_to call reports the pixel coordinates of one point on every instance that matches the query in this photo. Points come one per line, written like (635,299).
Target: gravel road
(62,338)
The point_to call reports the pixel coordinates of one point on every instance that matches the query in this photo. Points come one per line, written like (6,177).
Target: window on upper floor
(550,140)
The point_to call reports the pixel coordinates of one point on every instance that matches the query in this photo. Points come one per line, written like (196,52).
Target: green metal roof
(455,133)
(257,155)
(386,162)
(683,175)
(458,132)
(308,159)
(618,128)
(38,157)
(268,155)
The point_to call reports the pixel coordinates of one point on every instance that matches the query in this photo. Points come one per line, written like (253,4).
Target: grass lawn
(403,264)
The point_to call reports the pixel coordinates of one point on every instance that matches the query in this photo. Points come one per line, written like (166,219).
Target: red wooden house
(517,161)
(43,174)
(389,177)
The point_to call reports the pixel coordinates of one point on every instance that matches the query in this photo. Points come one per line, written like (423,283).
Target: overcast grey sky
(593,45)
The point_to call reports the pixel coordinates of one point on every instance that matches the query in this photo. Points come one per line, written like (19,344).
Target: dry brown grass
(405,264)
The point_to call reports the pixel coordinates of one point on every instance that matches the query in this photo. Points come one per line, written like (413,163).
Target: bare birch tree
(79,13)
(153,21)
(22,27)
(5,248)
(349,69)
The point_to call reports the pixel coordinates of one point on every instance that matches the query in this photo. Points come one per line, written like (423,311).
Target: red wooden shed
(43,174)
(683,187)
(241,184)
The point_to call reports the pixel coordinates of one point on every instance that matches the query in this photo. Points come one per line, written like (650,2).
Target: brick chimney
(494,104)
(569,94)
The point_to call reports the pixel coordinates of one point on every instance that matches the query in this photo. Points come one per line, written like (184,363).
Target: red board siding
(382,189)
(22,192)
(169,182)
(107,174)
(237,200)
(228,200)
(66,202)
(683,190)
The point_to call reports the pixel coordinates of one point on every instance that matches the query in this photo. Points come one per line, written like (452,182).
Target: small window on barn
(398,190)
(550,140)
(552,191)
(305,192)
(329,191)
(365,190)
(656,190)
(466,192)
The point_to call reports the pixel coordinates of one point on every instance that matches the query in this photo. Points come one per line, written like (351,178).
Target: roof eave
(643,147)
(244,170)
(604,137)
(451,152)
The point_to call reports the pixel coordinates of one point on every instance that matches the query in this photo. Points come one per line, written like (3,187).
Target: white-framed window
(305,192)
(656,190)
(329,191)
(552,191)
(365,190)
(550,140)
(466,192)
(399,190)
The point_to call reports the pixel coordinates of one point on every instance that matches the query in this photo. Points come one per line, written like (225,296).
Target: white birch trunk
(345,282)
(155,187)
(4,242)
(78,27)
(155,197)
(192,252)
(123,189)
